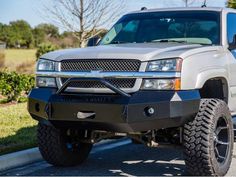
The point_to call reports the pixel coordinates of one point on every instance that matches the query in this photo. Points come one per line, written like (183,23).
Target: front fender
(205,75)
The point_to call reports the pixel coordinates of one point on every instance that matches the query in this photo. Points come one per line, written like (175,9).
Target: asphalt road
(119,159)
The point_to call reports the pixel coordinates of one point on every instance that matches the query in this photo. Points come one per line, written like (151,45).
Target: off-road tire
(53,147)
(201,157)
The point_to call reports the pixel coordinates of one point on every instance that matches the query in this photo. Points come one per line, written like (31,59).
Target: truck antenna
(204,4)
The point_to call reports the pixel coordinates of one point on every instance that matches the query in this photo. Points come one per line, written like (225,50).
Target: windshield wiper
(119,42)
(180,41)
(170,40)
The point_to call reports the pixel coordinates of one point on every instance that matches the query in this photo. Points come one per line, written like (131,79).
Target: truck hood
(143,52)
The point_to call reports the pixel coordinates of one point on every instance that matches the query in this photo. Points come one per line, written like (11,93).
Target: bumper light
(161,84)
(46,82)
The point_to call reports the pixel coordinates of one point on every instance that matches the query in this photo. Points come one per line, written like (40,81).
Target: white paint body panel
(200,63)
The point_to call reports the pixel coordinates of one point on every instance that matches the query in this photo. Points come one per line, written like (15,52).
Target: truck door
(231,32)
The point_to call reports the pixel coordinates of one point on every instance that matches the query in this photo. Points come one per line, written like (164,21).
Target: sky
(31,10)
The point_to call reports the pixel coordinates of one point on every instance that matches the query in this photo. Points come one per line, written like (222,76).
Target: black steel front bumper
(114,112)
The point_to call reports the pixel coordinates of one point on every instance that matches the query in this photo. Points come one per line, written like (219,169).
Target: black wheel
(209,139)
(60,149)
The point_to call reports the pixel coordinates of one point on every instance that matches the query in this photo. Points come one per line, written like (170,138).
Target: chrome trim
(101,74)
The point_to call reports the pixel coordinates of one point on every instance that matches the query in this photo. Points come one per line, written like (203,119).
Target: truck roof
(216,9)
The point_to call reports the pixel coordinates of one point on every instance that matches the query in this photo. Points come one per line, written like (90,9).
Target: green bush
(45,48)
(14,86)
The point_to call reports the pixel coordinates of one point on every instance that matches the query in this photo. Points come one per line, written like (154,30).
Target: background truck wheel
(59,149)
(208,140)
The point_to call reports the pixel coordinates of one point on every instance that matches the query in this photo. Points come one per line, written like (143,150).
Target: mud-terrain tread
(53,148)
(197,139)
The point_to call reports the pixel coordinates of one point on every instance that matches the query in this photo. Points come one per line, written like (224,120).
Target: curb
(20,158)
(25,157)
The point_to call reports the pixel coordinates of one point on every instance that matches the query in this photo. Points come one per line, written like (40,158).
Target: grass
(17,128)
(16,59)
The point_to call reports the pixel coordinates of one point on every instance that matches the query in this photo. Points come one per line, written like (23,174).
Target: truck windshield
(197,27)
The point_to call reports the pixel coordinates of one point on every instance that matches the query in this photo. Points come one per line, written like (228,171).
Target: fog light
(46,82)
(161,84)
(149,111)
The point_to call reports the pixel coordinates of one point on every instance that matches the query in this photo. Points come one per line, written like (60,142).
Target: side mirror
(232,46)
(93,41)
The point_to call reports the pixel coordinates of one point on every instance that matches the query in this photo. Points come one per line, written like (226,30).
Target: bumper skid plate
(118,112)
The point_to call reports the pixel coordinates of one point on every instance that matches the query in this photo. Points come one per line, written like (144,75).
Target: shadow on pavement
(129,160)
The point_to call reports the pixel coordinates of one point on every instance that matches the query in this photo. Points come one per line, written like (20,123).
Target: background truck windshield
(200,27)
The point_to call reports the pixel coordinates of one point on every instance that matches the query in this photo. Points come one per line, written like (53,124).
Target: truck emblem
(95,73)
(85,115)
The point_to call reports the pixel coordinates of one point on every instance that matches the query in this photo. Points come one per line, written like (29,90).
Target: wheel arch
(204,76)
(215,87)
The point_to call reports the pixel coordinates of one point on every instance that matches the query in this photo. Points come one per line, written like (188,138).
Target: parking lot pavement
(122,160)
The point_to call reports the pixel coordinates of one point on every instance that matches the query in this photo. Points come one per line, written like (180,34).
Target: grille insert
(100,64)
(106,65)
(120,83)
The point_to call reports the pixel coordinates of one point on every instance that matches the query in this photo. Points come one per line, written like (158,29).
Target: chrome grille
(109,65)
(100,64)
(120,83)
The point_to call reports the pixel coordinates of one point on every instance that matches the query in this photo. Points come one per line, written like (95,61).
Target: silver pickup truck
(161,76)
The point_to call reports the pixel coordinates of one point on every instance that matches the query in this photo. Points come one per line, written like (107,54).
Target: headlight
(45,65)
(161,84)
(46,82)
(165,65)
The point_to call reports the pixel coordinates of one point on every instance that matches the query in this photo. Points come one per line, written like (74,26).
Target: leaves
(231,4)
(45,48)
(14,85)
(17,34)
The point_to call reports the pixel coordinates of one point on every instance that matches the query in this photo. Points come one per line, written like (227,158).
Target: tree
(22,32)
(83,17)
(231,4)
(17,34)
(48,29)
(45,48)
(39,36)
(3,32)
(45,32)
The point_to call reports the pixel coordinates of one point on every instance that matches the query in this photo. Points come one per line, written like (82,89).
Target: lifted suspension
(152,138)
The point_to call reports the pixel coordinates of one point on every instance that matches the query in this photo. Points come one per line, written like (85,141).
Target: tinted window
(231,27)
(193,27)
